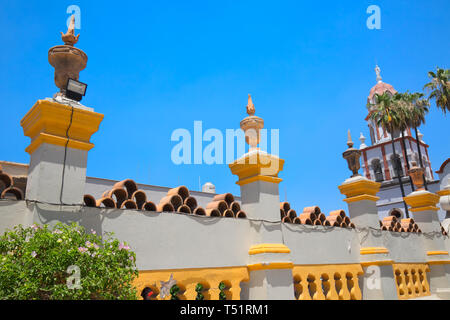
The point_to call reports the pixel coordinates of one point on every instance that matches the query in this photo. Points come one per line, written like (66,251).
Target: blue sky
(155,66)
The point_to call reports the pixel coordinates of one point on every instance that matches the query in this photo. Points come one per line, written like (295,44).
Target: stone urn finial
(252,125)
(352,156)
(416,174)
(67,60)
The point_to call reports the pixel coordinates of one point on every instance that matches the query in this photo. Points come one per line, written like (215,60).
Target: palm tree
(439,88)
(417,107)
(403,111)
(387,114)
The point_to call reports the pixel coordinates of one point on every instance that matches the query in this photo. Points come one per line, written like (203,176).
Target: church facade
(381,165)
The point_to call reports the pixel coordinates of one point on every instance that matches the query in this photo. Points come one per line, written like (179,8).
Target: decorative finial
(69,38)
(251,126)
(352,156)
(250,106)
(377,71)
(420,135)
(67,60)
(416,174)
(363,141)
(349,139)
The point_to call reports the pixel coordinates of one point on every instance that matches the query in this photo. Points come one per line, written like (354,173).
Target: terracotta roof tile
(125,195)
(313,216)
(7,188)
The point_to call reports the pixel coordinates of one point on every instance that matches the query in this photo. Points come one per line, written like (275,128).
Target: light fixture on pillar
(416,174)
(68,61)
(75,90)
(352,156)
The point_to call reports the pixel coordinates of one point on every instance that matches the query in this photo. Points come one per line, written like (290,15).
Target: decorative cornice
(58,141)
(49,122)
(427,208)
(360,187)
(362,197)
(444,192)
(422,201)
(257,166)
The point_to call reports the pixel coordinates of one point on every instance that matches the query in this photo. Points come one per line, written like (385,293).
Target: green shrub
(42,263)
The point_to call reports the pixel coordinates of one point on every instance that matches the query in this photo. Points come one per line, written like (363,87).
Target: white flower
(59,240)
(34,254)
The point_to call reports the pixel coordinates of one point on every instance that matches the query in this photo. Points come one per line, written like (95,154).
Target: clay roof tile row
(126,195)
(395,224)
(314,216)
(7,188)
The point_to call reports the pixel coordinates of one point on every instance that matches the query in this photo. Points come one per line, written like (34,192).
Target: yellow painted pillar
(60,140)
(378,279)
(423,207)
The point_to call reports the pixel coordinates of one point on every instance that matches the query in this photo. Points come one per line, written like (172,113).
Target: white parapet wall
(171,241)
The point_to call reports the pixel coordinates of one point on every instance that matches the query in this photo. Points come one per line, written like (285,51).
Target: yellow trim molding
(268,248)
(422,201)
(434,253)
(444,192)
(259,178)
(270,266)
(58,141)
(359,188)
(362,197)
(257,166)
(373,250)
(377,263)
(47,122)
(428,208)
(434,262)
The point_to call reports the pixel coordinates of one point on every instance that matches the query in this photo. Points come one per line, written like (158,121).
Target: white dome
(209,188)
